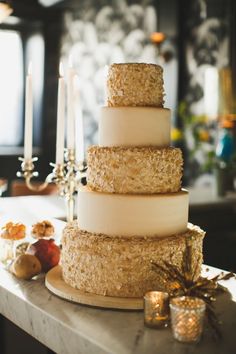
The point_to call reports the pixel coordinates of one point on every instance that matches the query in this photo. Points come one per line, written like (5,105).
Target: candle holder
(27,172)
(66,176)
(156,309)
(73,176)
(187,314)
(7,250)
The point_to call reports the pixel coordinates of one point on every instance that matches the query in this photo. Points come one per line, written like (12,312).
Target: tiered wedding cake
(133,210)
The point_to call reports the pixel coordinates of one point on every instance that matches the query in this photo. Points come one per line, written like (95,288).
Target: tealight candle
(187,315)
(156,309)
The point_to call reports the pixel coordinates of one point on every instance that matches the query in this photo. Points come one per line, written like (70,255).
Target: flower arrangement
(13,231)
(209,145)
(198,137)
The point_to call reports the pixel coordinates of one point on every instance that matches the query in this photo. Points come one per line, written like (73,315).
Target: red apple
(47,252)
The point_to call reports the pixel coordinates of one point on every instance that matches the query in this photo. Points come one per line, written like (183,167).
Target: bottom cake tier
(121,266)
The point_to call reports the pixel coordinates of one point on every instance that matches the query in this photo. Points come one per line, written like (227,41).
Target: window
(11,88)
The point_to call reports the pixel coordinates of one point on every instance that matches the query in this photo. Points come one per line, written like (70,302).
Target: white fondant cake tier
(134,126)
(132,215)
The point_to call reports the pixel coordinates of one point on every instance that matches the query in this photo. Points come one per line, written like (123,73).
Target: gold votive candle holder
(187,316)
(156,309)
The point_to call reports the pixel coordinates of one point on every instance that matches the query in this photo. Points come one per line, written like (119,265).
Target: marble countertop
(205,197)
(69,328)
(32,207)
(55,206)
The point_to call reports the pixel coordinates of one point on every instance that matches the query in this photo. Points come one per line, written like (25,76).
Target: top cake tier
(135,84)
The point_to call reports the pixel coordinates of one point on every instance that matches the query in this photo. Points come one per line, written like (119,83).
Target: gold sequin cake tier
(134,170)
(135,84)
(121,266)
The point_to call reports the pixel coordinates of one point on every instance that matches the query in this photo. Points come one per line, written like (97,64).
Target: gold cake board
(57,286)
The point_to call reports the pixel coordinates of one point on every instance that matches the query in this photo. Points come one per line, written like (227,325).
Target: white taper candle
(105,84)
(60,118)
(70,108)
(28,115)
(79,123)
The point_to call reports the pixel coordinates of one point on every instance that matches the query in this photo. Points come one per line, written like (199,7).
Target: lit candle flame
(30,68)
(61,70)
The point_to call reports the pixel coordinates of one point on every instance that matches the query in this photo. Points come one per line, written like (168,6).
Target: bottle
(225,145)
(224,155)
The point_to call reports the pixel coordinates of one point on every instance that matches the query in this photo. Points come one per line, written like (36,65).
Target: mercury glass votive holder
(156,309)
(187,315)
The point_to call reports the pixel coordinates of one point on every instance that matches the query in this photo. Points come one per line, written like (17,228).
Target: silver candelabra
(66,176)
